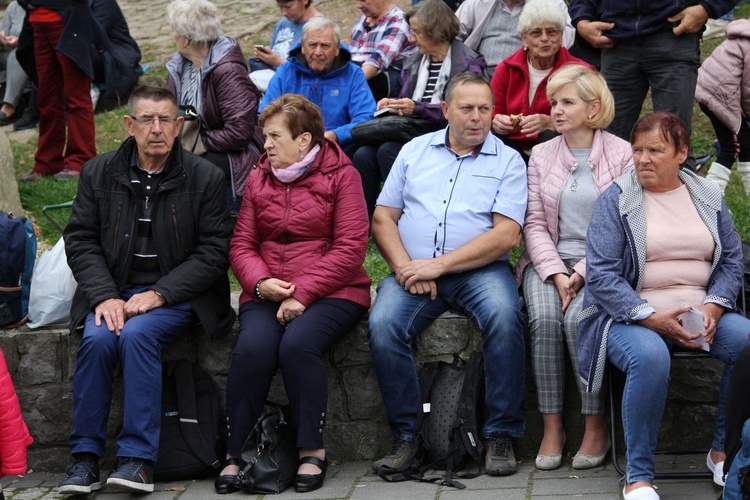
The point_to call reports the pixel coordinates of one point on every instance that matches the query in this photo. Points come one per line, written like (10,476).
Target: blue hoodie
(343,96)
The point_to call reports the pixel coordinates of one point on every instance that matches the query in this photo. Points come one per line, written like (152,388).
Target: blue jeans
(666,63)
(643,356)
(489,297)
(138,350)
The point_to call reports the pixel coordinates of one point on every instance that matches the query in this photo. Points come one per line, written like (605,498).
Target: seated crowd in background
(425,76)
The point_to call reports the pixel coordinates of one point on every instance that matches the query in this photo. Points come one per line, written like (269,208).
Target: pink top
(679,250)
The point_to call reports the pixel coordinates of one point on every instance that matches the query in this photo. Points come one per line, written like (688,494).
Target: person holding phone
(286,34)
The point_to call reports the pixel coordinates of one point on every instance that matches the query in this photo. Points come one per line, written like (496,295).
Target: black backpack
(450,421)
(17,256)
(189,444)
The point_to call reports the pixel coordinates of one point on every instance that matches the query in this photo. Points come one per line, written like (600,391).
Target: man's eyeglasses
(550,32)
(149,120)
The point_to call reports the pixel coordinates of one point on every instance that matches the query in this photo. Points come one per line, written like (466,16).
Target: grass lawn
(110,132)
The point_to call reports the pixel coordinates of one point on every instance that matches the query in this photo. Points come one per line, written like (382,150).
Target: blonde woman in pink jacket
(566,176)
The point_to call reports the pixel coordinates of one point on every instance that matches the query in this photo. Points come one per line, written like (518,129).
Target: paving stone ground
(355,481)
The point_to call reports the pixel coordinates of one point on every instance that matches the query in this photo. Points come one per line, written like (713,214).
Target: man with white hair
(320,69)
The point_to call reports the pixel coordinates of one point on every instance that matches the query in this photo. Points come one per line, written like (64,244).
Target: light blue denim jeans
(489,297)
(643,355)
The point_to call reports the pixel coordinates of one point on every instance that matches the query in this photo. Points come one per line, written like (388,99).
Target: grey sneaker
(132,474)
(500,459)
(401,457)
(81,476)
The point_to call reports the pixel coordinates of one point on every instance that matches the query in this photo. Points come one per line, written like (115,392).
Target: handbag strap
(188,415)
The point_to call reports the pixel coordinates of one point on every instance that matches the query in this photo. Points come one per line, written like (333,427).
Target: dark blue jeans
(138,350)
(264,345)
(374,164)
(666,63)
(489,297)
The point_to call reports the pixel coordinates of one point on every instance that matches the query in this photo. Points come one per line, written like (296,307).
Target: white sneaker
(716,469)
(642,493)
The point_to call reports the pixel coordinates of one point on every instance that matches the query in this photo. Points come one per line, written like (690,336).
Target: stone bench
(42,363)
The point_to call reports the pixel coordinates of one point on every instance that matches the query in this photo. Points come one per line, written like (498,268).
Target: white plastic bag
(52,288)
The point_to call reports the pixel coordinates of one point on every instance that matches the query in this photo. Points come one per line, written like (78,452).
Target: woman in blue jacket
(661,244)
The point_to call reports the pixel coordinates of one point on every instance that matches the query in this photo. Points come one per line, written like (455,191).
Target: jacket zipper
(176,230)
(117,227)
(287,203)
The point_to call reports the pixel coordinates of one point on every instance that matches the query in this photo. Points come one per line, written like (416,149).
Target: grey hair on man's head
(536,12)
(150,93)
(196,20)
(319,23)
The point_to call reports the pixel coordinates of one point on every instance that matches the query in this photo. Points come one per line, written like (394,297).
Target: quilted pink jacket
(550,165)
(14,435)
(724,77)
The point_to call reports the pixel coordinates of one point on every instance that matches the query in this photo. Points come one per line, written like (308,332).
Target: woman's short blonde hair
(536,12)
(590,87)
(196,20)
(300,116)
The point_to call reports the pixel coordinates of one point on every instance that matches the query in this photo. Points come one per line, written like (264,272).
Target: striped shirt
(434,70)
(145,268)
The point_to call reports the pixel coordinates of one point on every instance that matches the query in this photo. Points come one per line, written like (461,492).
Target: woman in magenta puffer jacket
(14,435)
(566,176)
(297,251)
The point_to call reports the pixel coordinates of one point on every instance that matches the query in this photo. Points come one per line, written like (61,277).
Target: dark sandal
(225,483)
(310,482)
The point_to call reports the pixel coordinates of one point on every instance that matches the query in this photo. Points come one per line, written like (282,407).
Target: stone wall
(42,364)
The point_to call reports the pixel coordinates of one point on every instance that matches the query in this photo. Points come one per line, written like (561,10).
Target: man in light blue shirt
(451,208)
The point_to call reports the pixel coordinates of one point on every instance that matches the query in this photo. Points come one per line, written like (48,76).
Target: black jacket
(191,229)
(639,18)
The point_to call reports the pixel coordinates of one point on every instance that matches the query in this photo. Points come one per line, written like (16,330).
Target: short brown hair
(300,116)
(437,19)
(463,78)
(670,126)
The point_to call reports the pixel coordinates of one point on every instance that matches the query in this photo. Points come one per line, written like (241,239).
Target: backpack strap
(188,415)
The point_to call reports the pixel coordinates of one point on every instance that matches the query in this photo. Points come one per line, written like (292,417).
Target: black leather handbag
(269,458)
(389,128)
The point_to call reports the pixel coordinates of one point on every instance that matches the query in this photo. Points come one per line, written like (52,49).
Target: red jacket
(14,435)
(510,84)
(312,232)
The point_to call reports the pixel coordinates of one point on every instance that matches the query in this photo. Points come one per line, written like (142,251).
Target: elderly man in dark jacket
(148,243)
